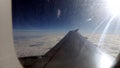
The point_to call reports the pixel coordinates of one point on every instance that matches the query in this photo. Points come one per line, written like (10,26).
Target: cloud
(110,45)
(36,46)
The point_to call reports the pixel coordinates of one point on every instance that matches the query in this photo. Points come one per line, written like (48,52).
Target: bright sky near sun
(114,6)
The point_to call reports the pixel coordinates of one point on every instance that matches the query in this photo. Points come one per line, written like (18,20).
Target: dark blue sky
(57,14)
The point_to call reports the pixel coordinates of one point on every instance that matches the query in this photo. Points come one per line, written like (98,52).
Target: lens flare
(102,38)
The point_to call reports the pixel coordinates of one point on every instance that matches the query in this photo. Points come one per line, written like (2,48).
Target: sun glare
(114,6)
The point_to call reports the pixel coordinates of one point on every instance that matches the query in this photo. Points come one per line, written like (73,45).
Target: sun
(114,6)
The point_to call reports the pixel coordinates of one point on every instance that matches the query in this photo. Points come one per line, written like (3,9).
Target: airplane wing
(75,51)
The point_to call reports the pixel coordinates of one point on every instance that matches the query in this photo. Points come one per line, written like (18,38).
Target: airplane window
(39,25)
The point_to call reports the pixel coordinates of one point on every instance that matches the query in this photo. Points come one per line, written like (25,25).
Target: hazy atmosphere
(40,24)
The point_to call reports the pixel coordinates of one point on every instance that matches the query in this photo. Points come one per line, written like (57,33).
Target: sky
(85,15)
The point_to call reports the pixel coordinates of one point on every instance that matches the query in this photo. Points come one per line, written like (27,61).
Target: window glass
(40,24)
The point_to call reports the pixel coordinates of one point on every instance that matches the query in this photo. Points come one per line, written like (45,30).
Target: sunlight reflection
(105,62)
(101,40)
(99,25)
